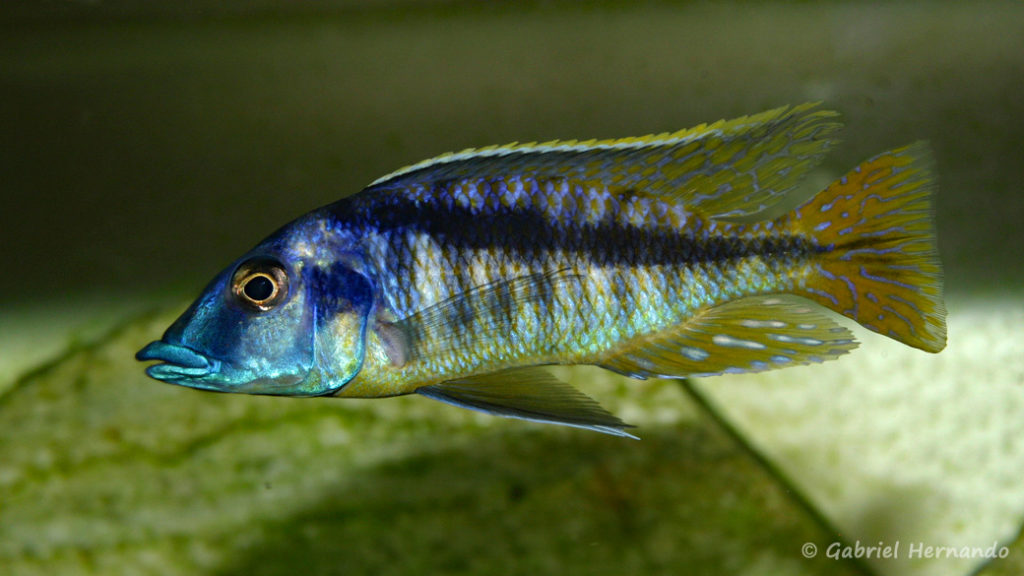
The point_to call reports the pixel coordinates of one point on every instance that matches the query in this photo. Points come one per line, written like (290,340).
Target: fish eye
(261,284)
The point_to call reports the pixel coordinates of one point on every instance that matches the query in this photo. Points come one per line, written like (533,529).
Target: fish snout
(179,364)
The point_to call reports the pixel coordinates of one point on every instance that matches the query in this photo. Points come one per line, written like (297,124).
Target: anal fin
(751,334)
(527,394)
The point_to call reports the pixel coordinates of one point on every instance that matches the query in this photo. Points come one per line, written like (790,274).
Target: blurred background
(147,144)
(144,145)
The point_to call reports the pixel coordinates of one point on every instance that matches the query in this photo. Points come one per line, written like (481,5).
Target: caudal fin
(877,261)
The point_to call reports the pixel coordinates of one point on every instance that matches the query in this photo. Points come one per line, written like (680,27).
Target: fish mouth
(179,363)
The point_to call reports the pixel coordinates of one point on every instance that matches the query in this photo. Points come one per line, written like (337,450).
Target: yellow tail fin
(877,261)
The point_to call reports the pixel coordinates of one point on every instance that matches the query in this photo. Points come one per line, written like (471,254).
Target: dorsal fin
(747,335)
(730,168)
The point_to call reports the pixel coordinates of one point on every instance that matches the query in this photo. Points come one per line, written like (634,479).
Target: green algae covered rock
(103,471)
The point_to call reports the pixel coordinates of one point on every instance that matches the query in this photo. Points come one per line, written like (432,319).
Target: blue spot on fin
(747,335)
(700,166)
(881,266)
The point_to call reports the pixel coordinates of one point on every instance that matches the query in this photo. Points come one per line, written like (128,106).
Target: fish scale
(458,278)
(542,331)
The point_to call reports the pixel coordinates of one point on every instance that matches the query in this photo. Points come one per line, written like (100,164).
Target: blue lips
(179,362)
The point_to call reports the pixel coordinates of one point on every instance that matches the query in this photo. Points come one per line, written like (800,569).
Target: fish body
(458,277)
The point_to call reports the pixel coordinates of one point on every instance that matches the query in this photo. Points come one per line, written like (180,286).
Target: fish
(460,278)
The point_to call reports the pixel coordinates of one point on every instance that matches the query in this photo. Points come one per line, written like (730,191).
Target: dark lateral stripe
(527,235)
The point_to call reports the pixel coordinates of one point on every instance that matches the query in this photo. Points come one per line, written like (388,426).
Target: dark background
(143,146)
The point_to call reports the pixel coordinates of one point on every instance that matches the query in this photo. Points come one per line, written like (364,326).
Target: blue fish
(460,277)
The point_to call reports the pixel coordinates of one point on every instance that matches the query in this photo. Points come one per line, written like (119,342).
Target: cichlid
(459,277)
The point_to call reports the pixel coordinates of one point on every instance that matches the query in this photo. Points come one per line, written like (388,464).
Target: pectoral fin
(747,335)
(527,394)
(470,319)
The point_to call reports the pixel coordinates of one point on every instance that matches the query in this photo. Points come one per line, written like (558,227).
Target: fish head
(282,320)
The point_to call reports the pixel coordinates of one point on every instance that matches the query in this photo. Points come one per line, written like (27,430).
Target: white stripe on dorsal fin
(731,168)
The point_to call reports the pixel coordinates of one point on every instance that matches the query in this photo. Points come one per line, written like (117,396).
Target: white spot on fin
(797,340)
(763,323)
(695,354)
(726,340)
(745,335)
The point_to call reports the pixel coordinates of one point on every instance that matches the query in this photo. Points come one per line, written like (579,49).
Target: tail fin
(877,261)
